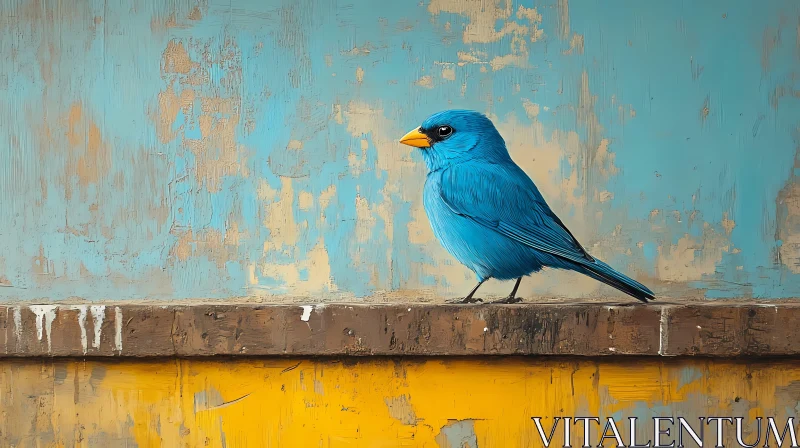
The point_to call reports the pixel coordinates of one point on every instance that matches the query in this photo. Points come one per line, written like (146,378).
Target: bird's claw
(466,300)
(508,300)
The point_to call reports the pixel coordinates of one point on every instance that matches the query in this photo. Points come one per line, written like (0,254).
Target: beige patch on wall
(404,177)
(279,215)
(317,263)
(788,221)
(217,154)
(449,73)
(90,155)
(482,29)
(208,243)
(285,234)
(425,81)
(215,110)
(691,259)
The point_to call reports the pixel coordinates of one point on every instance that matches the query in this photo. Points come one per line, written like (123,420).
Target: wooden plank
(589,329)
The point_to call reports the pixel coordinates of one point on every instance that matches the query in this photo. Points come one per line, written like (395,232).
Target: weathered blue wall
(153,149)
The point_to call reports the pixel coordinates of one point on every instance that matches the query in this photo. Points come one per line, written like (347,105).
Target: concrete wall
(181,149)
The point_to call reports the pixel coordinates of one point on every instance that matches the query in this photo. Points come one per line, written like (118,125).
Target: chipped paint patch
(449,73)
(787,231)
(400,409)
(458,434)
(425,81)
(692,258)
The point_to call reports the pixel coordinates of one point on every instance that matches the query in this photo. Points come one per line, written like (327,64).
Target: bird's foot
(508,299)
(466,300)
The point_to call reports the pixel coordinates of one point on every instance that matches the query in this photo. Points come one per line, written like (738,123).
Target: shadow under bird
(487,212)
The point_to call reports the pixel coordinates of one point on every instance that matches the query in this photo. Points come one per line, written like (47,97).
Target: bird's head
(452,136)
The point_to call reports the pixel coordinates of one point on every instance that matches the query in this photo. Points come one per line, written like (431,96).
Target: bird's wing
(503,197)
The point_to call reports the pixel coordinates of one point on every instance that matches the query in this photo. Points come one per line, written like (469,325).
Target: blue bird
(487,212)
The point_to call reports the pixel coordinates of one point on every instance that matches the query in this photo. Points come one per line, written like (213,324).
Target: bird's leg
(469,298)
(512,298)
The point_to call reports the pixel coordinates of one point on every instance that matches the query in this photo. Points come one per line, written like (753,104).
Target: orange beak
(416,139)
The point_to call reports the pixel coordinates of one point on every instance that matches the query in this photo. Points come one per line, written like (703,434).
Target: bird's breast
(481,249)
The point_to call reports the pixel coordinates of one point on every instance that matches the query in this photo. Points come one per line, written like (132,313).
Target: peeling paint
(458,434)
(401,410)
(242,401)
(691,258)
(179,168)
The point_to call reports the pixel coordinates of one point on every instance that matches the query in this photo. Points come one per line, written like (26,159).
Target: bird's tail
(606,274)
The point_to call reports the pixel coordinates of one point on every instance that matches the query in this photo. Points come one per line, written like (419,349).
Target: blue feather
(487,212)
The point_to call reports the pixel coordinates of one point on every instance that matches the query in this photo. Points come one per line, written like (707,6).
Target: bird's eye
(445,131)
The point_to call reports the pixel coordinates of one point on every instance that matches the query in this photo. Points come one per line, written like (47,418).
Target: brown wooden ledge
(589,329)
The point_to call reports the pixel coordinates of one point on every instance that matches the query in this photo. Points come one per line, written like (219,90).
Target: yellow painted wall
(370,403)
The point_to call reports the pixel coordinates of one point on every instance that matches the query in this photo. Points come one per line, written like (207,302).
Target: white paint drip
(18,324)
(662,330)
(98,314)
(306,313)
(82,323)
(45,315)
(118,328)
